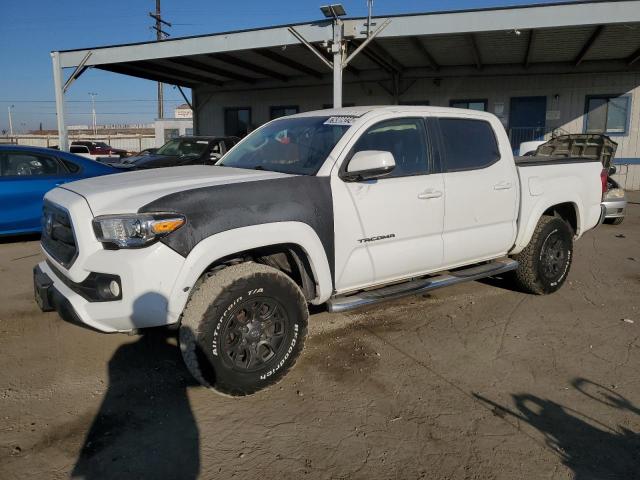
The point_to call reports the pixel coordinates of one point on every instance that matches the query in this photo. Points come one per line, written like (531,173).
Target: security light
(333,11)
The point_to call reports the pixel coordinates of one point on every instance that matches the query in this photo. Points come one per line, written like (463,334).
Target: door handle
(502,186)
(427,194)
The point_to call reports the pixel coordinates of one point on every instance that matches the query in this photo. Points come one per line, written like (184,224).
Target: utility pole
(94,120)
(160,35)
(10,120)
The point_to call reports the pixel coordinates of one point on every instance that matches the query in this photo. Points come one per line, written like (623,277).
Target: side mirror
(612,169)
(369,164)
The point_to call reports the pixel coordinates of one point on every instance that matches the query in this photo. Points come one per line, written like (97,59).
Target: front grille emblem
(48,224)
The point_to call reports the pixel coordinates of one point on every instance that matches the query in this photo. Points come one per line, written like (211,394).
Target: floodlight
(333,11)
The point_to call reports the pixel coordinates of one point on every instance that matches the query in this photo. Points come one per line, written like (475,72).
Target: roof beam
(236,62)
(380,57)
(210,69)
(527,55)
(160,69)
(475,51)
(420,46)
(634,57)
(589,43)
(385,56)
(287,62)
(126,69)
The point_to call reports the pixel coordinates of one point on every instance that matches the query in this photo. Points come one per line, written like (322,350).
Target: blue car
(27,173)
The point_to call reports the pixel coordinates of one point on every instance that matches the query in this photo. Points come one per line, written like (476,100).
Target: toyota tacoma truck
(344,207)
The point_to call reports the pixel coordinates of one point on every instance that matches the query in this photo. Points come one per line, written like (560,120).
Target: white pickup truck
(343,207)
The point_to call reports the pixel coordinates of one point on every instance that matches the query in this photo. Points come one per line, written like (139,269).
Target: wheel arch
(567,209)
(292,246)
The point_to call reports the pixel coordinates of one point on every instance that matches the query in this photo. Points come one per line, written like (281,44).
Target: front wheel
(545,262)
(243,328)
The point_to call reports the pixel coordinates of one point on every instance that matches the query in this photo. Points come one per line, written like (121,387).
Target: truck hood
(127,192)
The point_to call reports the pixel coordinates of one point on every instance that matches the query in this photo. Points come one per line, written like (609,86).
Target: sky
(31,29)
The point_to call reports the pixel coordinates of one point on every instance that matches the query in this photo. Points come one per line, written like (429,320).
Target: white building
(574,67)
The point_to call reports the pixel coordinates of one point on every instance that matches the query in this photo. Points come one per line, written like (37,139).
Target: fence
(131,143)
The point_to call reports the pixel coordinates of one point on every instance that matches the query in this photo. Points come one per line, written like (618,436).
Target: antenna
(369,9)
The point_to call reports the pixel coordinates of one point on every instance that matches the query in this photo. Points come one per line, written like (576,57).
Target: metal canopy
(565,37)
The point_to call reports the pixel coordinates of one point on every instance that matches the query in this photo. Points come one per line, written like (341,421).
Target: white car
(344,207)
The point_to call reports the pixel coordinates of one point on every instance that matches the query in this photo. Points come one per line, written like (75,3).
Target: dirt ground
(471,382)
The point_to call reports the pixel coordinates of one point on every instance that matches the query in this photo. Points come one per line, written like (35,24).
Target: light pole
(93,112)
(10,107)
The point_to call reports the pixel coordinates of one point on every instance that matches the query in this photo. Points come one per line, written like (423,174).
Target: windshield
(181,147)
(290,145)
(102,145)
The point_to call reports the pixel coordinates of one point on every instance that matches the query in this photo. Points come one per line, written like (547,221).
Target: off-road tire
(212,310)
(532,275)
(614,221)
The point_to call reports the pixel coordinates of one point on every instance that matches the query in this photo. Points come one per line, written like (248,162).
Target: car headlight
(614,194)
(135,230)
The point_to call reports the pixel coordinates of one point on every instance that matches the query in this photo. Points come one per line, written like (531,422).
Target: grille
(57,235)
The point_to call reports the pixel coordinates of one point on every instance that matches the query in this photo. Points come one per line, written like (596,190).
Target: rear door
(481,191)
(25,178)
(389,228)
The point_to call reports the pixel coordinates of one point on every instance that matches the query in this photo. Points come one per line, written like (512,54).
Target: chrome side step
(343,303)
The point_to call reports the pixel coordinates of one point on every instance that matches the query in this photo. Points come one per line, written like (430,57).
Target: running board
(343,303)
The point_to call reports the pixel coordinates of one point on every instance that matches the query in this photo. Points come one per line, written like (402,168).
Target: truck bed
(531,160)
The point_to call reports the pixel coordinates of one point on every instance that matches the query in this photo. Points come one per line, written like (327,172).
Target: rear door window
(468,144)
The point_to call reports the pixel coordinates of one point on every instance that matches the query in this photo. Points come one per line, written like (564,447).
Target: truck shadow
(590,448)
(145,427)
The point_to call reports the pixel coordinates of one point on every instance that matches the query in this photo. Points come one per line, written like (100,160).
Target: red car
(101,148)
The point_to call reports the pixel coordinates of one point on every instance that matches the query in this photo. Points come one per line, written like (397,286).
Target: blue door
(527,117)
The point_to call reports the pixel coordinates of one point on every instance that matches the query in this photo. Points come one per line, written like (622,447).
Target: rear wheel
(243,329)
(545,262)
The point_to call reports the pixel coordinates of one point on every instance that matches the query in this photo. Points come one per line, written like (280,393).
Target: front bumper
(143,302)
(615,209)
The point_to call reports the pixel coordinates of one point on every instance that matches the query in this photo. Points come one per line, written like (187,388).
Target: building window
(237,121)
(415,102)
(480,105)
(283,111)
(188,131)
(171,133)
(325,106)
(607,114)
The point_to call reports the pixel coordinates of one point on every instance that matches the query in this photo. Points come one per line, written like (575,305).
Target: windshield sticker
(341,120)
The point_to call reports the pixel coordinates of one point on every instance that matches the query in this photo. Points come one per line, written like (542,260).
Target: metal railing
(131,143)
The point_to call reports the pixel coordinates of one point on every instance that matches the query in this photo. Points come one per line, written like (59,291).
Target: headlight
(135,230)
(614,194)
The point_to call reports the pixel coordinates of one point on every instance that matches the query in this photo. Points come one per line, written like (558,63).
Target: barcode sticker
(341,120)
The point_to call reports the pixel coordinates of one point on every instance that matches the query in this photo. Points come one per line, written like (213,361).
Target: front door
(389,228)
(527,117)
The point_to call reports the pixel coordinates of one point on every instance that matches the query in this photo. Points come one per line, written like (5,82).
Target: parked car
(588,145)
(345,207)
(83,151)
(27,173)
(181,151)
(146,151)
(101,149)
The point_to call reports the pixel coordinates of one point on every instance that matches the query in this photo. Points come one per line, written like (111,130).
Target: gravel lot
(471,382)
